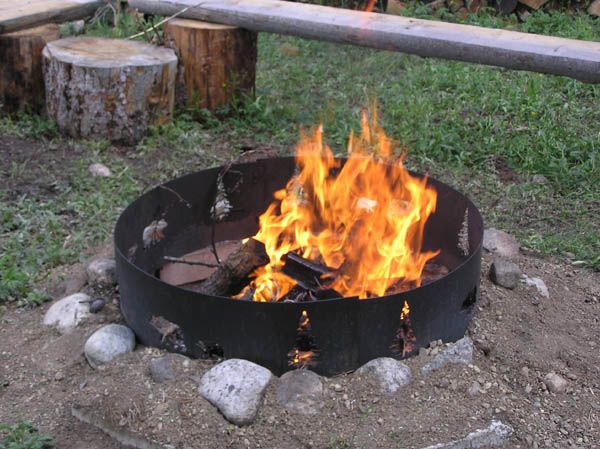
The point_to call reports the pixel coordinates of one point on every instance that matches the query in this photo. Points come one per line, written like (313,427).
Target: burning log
(235,268)
(312,279)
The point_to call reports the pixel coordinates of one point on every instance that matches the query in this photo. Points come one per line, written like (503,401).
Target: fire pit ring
(344,333)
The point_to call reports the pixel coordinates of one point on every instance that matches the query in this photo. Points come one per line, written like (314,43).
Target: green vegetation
(469,125)
(23,436)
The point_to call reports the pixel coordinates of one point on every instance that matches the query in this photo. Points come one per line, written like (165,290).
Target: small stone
(97,304)
(107,343)
(505,273)
(236,388)
(555,382)
(301,391)
(337,388)
(67,313)
(539,179)
(102,272)
(100,170)
(459,352)
(539,284)
(473,389)
(500,243)
(161,368)
(496,434)
(389,374)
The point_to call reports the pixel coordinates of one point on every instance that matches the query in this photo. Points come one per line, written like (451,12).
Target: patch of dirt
(519,338)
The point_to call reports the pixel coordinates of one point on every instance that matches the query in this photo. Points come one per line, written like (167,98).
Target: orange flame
(365,218)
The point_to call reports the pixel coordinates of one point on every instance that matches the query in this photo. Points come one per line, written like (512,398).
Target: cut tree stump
(216,62)
(108,88)
(21,78)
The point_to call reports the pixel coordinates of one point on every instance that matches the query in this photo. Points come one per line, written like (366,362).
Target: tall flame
(365,218)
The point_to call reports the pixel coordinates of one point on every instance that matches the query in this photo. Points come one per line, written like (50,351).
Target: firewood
(21,78)
(507,6)
(216,62)
(108,88)
(235,269)
(594,8)
(534,4)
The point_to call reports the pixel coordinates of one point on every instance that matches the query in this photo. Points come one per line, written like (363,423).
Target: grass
(23,436)
(458,120)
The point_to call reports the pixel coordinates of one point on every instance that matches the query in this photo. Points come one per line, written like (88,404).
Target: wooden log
(108,88)
(22,14)
(514,50)
(216,62)
(235,269)
(534,4)
(21,78)
(594,8)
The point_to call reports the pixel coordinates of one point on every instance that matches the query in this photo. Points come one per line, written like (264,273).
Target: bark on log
(108,88)
(216,62)
(514,50)
(21,14)
(594,8)
(235,269)
(21,78)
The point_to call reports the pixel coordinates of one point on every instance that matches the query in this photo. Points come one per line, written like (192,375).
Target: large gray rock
(505,273)
(236,388)
(459,352)
(107,343)
(497,434)
(500,243)
(301,391)
(102,272)
(387,373)
(68,312)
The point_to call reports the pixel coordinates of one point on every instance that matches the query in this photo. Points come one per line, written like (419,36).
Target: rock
(539,284)
(500,243)
(100,170)
(236,388)
(389,374)
(555,382)
(107,343)
(97,304)
(505,273)
(473,389)
(67,313)
(102,272)
(162,368)
(301,391)
(497,434)
(539,179)
(459,352)
(77,280)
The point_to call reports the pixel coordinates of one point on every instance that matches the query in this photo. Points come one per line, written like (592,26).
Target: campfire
(315,261)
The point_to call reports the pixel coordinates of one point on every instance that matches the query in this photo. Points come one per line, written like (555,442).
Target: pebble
(459,352)
(236,387)
(102,272)
(161,368)
(68,312)
(555,383)
(97,305)
(496,434)
(301,391)
(505,273)
(389,374)
(107,343)
(539,284)
(100,170)
(500,243)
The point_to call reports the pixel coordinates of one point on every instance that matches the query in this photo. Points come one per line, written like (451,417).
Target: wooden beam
(20,14)
(510,49)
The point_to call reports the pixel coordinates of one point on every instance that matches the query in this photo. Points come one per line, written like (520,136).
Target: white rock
(497,434)
(102,272)
(67,313)
(500,243)
(301,391)
(539,284)
(100,170)
(555,382)
(389,374)
(236,388)
(107,343)
(459,352)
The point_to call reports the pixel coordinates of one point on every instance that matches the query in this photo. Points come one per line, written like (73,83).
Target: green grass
(455,118)
(23,436)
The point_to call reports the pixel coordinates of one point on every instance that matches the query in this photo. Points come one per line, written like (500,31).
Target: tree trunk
(216,62)
(108,88)
(21,79)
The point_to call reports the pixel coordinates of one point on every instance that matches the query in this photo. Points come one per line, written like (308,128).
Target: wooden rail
(20,14)
(520,51)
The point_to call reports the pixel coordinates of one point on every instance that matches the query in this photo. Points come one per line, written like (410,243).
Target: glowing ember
(365,219)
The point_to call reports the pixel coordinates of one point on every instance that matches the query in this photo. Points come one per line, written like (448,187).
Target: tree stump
(21,78)
(216,62)
(108,88)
